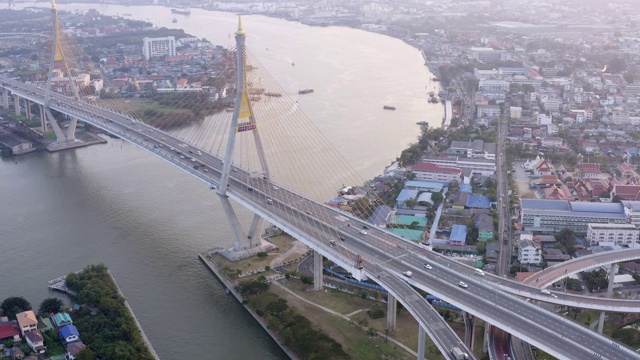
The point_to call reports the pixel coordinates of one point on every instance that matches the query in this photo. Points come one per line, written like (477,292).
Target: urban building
(555,215)
(155,47)
(27,321)
(473,149)
(434,172)
(483,167)
(621,234)
(529,252)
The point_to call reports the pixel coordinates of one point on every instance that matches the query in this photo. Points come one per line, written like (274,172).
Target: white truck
(459,354)
(407,273)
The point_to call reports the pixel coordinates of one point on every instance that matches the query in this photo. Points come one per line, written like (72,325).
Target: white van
(479,272)
(545,292)
(269,201)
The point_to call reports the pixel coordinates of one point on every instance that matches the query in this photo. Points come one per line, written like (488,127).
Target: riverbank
(230,286)
(144,336)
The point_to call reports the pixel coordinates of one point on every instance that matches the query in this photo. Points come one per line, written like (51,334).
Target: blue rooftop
(417,184)
(466,188)
(597,207)
(458,233)
(407,194)
(69,330)
(380,215)
(478,201)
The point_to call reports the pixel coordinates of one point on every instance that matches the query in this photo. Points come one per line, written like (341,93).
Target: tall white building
(621,234)
(528,252)
(154,47)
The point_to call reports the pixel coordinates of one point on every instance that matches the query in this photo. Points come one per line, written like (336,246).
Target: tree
(616,65)
(437,198)
(566,237)
(50,305)
(86,354)
(13,305)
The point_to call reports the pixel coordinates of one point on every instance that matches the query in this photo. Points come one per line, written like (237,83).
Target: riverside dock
(60,284)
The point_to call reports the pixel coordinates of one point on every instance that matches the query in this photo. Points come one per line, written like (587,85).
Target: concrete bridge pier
(244,246)
(392,309)
(469,329)
(28,109)
(43,119)
(613,270)
(422,337)
(317,271)
(16,104)
(5,99)
(485,341)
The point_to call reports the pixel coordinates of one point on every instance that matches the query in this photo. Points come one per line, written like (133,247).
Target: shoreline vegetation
(105,323)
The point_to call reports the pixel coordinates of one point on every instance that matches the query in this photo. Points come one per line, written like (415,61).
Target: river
(118,205)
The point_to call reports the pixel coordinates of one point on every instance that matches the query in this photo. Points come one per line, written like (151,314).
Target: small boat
(126,14)
(181,11)
(305,91)
(431,93)
(293,64)
(422,123)
(227,291)
(433,100)
(387,107)
(174,20)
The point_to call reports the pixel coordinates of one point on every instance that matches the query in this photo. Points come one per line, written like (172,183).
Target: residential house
(61,319)
(69,333)
(35,340)
(406,196)
(485,227)
(558,193)
(9,331)
(74,349)
(529,252)
(478,202)
(628,173)
(458,234)
(550,141)
(27,321)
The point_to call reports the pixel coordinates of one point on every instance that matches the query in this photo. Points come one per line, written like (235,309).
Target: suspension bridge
(267,156)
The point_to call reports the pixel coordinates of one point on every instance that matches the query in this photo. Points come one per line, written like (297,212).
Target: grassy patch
(283,243)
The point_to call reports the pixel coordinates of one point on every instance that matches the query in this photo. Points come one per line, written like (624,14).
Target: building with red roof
(9,331)
(427,171)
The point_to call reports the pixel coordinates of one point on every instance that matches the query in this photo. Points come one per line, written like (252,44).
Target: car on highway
(343,239)
(407,273)
(427,266)
(145,139)
(332,242)
(275,187)
(545,292)
(308,213)
(181,156)
(199,152)
(363,232)
(250,189)
(463,284)
(365,226)
(269,201)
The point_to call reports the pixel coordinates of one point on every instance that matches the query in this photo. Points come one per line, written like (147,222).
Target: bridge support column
(392,309)
(16,104)
(28,109)
(317,271)
(613,270)
(469,329)
(5,99)
(422,337)
(43,119)
(485,341)
(256,228)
